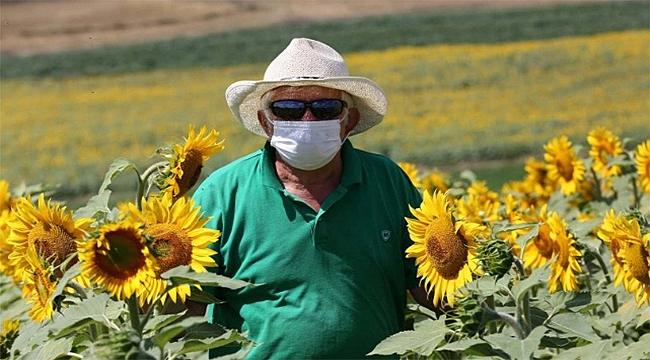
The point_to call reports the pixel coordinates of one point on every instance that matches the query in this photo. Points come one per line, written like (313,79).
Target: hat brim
(243,98)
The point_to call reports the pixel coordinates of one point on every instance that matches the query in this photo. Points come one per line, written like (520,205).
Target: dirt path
(30,27)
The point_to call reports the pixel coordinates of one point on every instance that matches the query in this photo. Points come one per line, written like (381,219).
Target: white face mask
(307,145)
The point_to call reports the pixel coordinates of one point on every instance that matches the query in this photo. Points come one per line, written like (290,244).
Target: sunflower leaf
(226,338)
(169,332)
(518,349)
(184,275)
(97,204)
(424,340)
(51,349)
(117,167)
(573,324)
(536,277)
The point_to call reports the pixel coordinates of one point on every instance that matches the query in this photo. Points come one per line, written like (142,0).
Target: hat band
(302,78)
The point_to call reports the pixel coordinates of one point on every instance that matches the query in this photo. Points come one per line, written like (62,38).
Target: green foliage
(259,45)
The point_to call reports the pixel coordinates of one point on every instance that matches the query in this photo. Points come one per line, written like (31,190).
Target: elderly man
(316,223)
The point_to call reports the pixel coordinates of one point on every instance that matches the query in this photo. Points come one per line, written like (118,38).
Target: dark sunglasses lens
(327,109)
(288,109)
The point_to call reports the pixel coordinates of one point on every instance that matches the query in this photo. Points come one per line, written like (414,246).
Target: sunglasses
(324,109)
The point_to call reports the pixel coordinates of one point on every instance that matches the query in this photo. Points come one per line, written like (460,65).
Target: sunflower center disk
(565,167)
(543,241)
(122,256)
(446,249)
(52,242)
(191,170)
(171,246)
(637,259)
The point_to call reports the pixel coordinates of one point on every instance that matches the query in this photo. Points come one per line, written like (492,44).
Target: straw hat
(307,62)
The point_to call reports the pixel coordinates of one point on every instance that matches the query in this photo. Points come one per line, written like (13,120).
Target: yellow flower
(412,171)
(604,144)
(176,236)
(444,249)
(5,247)
(5,196)
(563,165)
(642,160)
(566,265)
(117,258)
(637,266)
(38,286)
(612,233)
(186,161)
(436,180)
(480,205)
(539,250)
(48,229)
(631,251)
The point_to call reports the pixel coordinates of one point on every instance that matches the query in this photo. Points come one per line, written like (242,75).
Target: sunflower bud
(495,257)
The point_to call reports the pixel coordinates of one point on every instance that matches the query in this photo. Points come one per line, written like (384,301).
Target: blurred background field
(467,88)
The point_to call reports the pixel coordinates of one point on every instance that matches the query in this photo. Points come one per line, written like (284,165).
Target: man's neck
(312,187)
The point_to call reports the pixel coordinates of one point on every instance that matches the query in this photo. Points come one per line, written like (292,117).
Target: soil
(31,27)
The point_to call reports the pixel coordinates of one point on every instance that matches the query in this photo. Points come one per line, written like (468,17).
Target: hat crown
(306,59)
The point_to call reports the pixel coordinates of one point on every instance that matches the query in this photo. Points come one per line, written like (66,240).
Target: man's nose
(308,116)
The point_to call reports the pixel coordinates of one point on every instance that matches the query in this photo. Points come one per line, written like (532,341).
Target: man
(317,224)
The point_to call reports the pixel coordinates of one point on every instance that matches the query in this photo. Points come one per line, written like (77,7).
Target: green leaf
(184,275)
(645,317)
(118,166)
(636,350)
(524,239)
(596,350)
(204,297)
(462,344)
(68,275)
(161,320)
(97,204)
(428,334)
(516,348)
(227,338)
(574,324)
(96,309)
(536,277)
(50,350)
(628,311)
(169,332)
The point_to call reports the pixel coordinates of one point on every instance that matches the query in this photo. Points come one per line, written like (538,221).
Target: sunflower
(540,249)
(566,265)
(479,205)
(39,284)
(5,247)
(412,171)
(604,144)
(176,236)
(637,266)
(444,249)
(612,232)
(436,180)
(47,228)
(5,196)
(117,258)
(642,159)
(563,165)
(10,328)
(630,253)
(186,160)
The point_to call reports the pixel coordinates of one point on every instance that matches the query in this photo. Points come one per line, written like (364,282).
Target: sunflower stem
(525,302)
(144,178)
(603,266)
(134,313)
(508,319)
(490,303)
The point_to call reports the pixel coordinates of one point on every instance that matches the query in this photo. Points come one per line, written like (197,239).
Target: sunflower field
(551,263)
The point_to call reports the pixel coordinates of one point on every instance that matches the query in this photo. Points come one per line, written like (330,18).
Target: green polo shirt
(331,283)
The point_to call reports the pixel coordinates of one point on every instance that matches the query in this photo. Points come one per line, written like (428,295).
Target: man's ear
(266,125)
(353,119)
